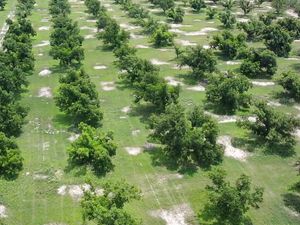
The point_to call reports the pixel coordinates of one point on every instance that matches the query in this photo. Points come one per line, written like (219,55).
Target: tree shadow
(296,67)
(144,111)
(292,201)
(82,170)
(64,120)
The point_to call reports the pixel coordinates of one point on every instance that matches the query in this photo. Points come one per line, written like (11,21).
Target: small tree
(109,207)
(279,5)
(259,64)
(59,8)
(228,4)
(277,40)
(228,19)
(197,5)
(161,36)
(274,128)
(292,25)
(93,148)
(176,14)
(229,204)
(211,12)
(201,60)
(259,2)
(2,4)
(228,92)
(290,82)
(253,28)
(246,5)
(93,6)
(11,161)
(166,4)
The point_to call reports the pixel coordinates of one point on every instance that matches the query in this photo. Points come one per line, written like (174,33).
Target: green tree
(290,81)
(201,60)
(109,207)
(197,5)
(211,12)
(259,2)
(228,92)
(176,14)
(253,28)
(277,40)
(292,25)
(166,4)
(279,5)
(274,128)
(228,204)
(94,7)
(2,4)
(188,139)
(246,5)
(11,161)
(228,4)
(93,148)
(228,19)
(161,37)
(59,7)
(259,64)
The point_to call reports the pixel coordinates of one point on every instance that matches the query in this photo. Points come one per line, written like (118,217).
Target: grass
(36,202)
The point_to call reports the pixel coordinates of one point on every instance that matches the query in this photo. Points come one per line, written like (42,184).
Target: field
(33,198)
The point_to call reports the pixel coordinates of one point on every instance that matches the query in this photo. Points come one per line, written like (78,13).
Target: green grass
(34,202)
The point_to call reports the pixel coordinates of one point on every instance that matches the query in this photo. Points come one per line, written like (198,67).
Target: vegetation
(246,6)
(161,37)
(197,5)
(2,4)
(290,82)
(227,19)
(176,14)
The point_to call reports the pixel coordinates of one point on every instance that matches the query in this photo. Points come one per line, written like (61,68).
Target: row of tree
(17,63)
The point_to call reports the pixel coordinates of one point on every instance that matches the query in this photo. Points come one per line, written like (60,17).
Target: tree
(201,60)
(290,82)
(228,204)
(228,92)
(176,14)
(211,12)
(259,2)
(246,6)
(228,4)
(292,25)
(161,37)
(78,97)
(109,207)
(197,5)
(228,19)
(228,44)
(94,7)
(253,28)
(279,5)
(2,4)
(166,4)
(59,7)
(259,64)
(267,18)
(93,148)
(188,139)
(274,128)
(277,40)
(11,161)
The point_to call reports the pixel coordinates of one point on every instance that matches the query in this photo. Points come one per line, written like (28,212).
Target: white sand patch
(164,49)
(135,132)
(223,118)
(178,67)
(177,25)
(45,20)
(232,63)
(297,41)
(73,137)
(62,190)
(206,46)
(40,54)
(89,36)
(76,192)
(231,151)
(59,174)
(155,10)
(291,13)
(3,211)
(177,215)
(108,86)
(297,107)
(263,83)
(45,72)
(126,109)
(149,146)
(128,27)
(173,82)
(211,22)
(292,59)
(100,67)
(142,46)
(186,43)
(273,103)
(297,133)
(198,87)
(91,21)
(197,20)
(133,150)
(242,20)
(43,44)
(88,28)
(158,62)
(252,119)
(136,36)
(43,28)
(45,92)
(177,31)
(39,176)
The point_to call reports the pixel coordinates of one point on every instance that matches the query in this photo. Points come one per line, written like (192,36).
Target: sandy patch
(76,192)
(136,36)
(291,13)
(45,92)
(223,118)
(242,20)
(198,87)
(292,59)
(273,103)
(135,132)
(177,31)
(231,151)
(173,82)
(91,21)
(45,72)
(297,133)
(44,28)
(73,137)
(89,36)
(177,25)
(128,27)
(126,109)
(39,176)
(142,46)
(45,20)
(133,150)
(206,46)
(186,43)
(3,211)
(203,31)
(263,83)
(43,44)
(108,86)
(100,67)
(178,67)
(158,62)
(88,28)
(232,63)
(177,215)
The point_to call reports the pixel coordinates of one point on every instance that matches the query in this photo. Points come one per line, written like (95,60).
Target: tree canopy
(290,81)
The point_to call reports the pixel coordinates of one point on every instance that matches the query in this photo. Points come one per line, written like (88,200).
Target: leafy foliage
(211,12)
(2,4)
(161,36)
(228,19)
(279,5)
(197,5)
(176,14)
(246,5)
(292,25)
(59,7)
(290,81)
(94,7)
(253,28)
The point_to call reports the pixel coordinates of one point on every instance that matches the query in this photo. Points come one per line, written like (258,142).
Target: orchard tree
(166,4)
(211,12)
(188,139)
(277,40)
(279,5)
(94,7)
(259,2)
(102,20)
(227,19)
(246,5)
(228,92)
(93,148)
(108,208)
(136,11)
(201,60)
(2,4)
(197,5)
(253,28)
(259,64)
(59,7)
(162,37)
(267,18)
(11,161)
(292,25)
(227,203)
(176,14)
(290,81)
(229,45)
(228,4)
(274,128)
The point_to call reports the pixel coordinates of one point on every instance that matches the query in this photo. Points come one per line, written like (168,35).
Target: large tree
(227,203)
(188,139)
(290,81)
(93,6)
(253,28)
(59,7)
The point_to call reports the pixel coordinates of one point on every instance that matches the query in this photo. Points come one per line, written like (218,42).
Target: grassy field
(32,199)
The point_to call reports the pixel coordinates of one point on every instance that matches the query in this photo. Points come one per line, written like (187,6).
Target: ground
(33,198)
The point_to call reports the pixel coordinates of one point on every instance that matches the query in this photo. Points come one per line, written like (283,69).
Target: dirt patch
(291,13)
(88,28)
(263,83)
(43,44)
(45,72)
(73,137)
(91,21)
(231,151)
(273,103)
(108,86)
(232,63)
(45,92)
(242,20)
(177,31)
(142,46)
(136,36)
(45,20)
(133,150)
(178,67)
(126,109)
(186,43)
(158,62)
(198,87)
(100,67)
(135,132)
(128,27)
(89,36)
(173,82)
(293,59)
(3,211)
(39,176)
(297,133)
(44,28)
(177,25)
(223,118)
(176,215)
(76,192)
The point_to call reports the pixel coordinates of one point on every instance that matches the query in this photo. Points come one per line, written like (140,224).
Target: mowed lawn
(32,199)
